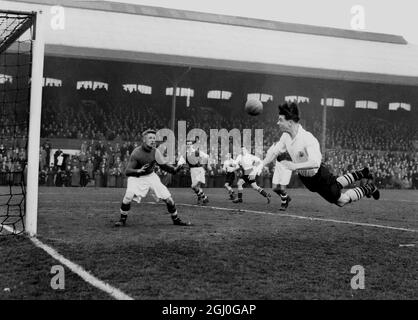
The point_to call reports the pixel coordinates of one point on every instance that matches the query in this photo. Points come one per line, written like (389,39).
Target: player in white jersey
(251,167)
(281,176)
(229,167)
(196,159)
(306,156)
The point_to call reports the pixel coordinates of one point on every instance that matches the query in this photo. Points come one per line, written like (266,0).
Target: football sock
(262,192)
(350,178)
(357,193)
(201,194)
(125,207)
(123,216)
(171,208)
(239,195)
(283,198)
(283,195)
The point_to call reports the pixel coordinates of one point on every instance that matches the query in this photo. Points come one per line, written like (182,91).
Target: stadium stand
(109,132)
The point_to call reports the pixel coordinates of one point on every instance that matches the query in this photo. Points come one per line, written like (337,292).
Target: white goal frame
(38,50)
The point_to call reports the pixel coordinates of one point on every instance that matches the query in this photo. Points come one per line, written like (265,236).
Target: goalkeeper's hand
(142,170)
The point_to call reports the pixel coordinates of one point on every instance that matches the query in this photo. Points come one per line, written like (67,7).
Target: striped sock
(201,194)
(350,178)
(357,193)
(283,197)
(262,191)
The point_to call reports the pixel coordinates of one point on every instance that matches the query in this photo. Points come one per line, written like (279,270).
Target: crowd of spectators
(102,163)
(110,133)
(114,122)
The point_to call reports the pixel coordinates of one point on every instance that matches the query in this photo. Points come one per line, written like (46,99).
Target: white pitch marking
(297,194)
(281,214)
(86,276)
(300,217)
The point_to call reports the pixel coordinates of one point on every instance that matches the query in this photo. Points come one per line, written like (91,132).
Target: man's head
(149,137)
(288,116)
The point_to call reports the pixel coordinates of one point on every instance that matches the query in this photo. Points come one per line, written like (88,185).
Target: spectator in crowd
(84,176)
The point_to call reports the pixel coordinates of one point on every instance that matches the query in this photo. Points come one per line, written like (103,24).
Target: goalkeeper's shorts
(140,186)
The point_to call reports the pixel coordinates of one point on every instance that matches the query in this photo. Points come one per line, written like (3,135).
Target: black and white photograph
(208,155)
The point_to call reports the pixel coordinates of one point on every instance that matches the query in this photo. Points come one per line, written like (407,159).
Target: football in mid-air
(253,107)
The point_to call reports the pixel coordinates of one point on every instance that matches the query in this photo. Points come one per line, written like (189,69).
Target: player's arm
(164,165)
(257,167)
(130,168)
(276,149)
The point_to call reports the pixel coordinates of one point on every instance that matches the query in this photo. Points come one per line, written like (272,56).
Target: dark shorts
(324,183)
(247,179)
(230,177)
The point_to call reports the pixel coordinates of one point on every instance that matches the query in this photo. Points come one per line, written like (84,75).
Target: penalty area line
(362,224)
(78,270)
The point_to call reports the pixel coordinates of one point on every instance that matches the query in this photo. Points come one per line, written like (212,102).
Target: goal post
(38,48)
(21,82)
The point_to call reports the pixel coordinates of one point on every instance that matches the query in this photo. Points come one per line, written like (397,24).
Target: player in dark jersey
(142,178)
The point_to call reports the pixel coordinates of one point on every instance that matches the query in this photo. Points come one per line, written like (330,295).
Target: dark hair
(289,111)
(148,131)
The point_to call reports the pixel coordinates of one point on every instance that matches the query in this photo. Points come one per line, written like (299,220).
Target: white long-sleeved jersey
(302,148)
(230,165)
(249,163)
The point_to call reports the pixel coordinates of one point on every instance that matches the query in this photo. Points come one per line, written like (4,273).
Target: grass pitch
(242,251)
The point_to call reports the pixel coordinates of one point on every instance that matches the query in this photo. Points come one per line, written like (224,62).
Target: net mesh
(15,75)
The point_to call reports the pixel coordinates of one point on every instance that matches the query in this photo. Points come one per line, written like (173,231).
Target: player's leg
(328,186)
(136,189)
(162,192)
(240,185)
(353,176)
(228,185)
(229,190)
(281,179)
(171,208)
(198,178)
(124,208)
(280,190)
(355,194)
(196,188)
(260,190)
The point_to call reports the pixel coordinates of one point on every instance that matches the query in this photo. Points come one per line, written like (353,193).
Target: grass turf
(226,254)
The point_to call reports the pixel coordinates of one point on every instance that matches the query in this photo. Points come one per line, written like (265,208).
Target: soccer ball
(253,107)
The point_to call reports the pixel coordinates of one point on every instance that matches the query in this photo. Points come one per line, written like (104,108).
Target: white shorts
(198,175)
(281,175)
(140,186)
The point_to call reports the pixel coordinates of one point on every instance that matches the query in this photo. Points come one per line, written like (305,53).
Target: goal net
(16,54)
